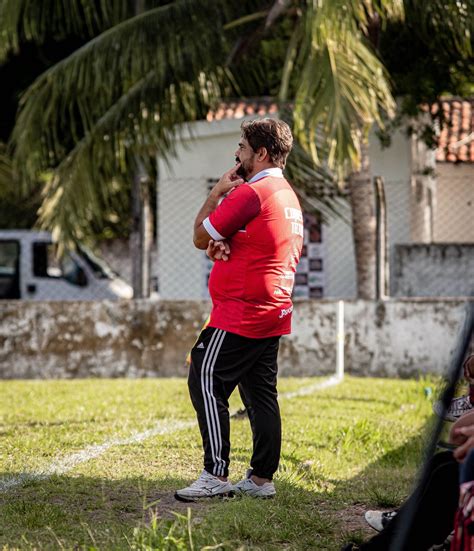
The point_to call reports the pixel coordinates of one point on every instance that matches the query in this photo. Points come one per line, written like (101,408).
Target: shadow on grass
(80,511)
(83,512)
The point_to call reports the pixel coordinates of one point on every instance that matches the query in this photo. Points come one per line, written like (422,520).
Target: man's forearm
(209,206)
(201,237)
(228,181)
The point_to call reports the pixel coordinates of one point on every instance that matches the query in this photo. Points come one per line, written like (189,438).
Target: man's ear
(262,153)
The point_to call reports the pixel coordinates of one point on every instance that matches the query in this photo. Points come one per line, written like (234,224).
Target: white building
(416,204)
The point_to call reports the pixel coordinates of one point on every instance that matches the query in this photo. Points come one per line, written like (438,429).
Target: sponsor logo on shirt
(296,217)
(285,311)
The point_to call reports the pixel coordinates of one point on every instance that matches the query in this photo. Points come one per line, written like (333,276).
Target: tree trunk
(364,226)
(141,236)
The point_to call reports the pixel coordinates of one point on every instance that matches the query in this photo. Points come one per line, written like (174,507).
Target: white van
(30,270)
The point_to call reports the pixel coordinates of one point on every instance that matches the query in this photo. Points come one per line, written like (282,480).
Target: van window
(47,264)
(99,267)
(9,269)
(45,261)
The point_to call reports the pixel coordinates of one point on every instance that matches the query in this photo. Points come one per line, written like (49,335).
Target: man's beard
(245,168)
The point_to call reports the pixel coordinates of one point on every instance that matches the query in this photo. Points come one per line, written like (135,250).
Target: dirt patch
(165,504)
(352,520)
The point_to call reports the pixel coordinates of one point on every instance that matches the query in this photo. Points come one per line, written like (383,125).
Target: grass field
(78,469)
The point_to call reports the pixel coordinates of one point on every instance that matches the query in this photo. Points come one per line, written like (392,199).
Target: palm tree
(99,117)
(96,120)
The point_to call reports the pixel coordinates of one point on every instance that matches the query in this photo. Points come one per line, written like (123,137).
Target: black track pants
(219,362)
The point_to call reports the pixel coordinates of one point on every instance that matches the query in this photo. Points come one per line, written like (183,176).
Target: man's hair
(275,135)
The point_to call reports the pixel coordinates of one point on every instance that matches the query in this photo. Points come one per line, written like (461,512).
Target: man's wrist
(215,194)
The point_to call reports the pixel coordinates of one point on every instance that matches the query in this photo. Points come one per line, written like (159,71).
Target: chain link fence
(430,242)
(430,248)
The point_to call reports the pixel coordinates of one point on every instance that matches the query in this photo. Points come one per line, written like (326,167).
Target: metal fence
(430,249)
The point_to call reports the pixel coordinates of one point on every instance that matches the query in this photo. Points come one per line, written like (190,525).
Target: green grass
(345,449)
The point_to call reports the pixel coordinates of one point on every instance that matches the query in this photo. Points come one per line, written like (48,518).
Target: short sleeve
(234,213)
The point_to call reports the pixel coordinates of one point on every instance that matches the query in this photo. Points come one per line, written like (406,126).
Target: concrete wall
(150,338)
(437,269)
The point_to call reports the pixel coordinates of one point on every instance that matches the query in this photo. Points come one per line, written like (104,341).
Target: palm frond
(343,87)
(245,19)
(316,185)
(23,20)
(447,23)
(290,58)
(364,11)
(6,169)
(85,183)
(174,41)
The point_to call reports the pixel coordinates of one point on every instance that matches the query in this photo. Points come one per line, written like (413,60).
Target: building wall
(41,340)
(436,269)
(454,208)
(183,187)
(423,192)
(117,254)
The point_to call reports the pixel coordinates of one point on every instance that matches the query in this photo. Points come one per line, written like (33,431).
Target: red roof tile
(456,139)
(239,109)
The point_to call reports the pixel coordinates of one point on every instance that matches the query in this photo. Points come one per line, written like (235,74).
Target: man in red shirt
(255,218)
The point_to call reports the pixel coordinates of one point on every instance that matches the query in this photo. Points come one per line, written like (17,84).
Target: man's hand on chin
(228,181)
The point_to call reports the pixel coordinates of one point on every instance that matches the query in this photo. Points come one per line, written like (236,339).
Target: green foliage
(100,121)
(342,87)
(16,211)
(426,34)
(442,33)
(122,96)
(25,21)
(125,95)
(446,25)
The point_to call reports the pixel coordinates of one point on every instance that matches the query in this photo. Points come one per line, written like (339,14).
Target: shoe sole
(196,499)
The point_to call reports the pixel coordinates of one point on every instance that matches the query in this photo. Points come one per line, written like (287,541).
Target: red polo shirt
(263,224)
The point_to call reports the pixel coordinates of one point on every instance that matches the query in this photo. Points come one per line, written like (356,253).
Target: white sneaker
(207,485)
(378,520)
(248,487)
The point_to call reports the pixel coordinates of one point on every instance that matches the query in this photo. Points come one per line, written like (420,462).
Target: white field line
(310,389)
(69,462)
(165,426)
